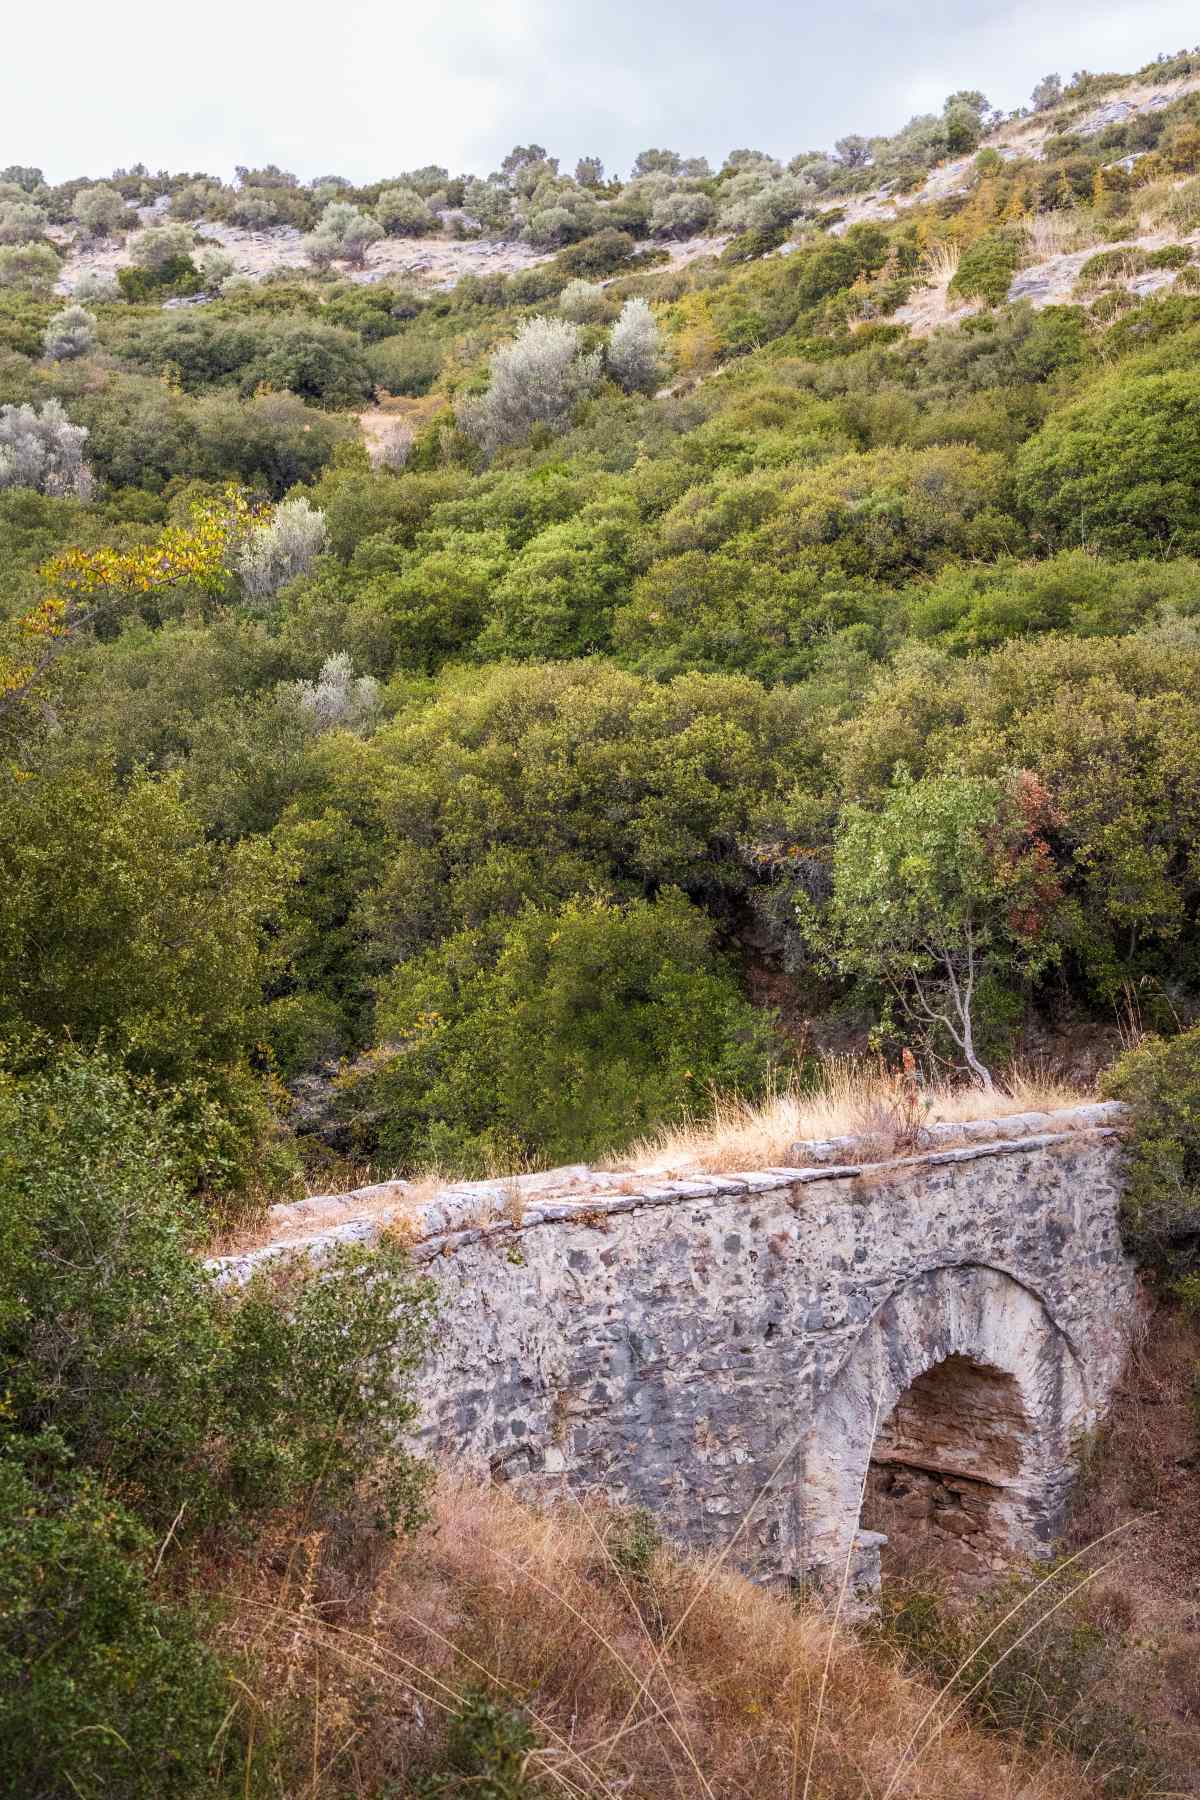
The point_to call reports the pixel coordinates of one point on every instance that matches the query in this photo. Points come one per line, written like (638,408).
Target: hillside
(546,672)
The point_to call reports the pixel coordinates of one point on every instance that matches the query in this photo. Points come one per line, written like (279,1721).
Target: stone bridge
(810,1360)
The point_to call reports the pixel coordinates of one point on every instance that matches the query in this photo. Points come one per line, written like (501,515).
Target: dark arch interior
(940,1480)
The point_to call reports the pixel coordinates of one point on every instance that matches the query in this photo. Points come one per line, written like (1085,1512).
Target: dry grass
(931,303)
(1052,234)
(855,1098)
(1143,1478)
(644,1674)
(940,263)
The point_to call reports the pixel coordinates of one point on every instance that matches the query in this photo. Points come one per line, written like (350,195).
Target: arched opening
(943,1481)
(960,1388)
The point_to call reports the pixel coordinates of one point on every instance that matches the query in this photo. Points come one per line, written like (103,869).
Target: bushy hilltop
(460,727)
(76,234)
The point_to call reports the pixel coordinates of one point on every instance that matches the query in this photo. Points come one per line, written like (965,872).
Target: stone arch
(967,1318)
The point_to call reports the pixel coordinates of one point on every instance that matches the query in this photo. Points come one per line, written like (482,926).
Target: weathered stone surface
(730,1351)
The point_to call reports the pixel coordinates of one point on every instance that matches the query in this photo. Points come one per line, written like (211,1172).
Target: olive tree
(343,234)
(948,887)
(43,451)
(402,212)
(99,209)
(21,223)
(1047,93)
(853,151)
(582,301)
(681,213)
(70,333)
(635,348)
(338,700)
(95,284)
(215,266)
(29,268)
(160,245)
(276,552)
(538,379)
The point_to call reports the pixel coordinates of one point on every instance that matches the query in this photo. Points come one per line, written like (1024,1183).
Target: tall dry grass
(644,1674)
(939,265)
(1062,233)
(854,1097)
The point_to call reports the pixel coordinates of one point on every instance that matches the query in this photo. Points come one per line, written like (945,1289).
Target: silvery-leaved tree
(285,545)
(538,379)
(100,209)
(343,234)
(635,348)
(69,333)
(43,451)
(948,890)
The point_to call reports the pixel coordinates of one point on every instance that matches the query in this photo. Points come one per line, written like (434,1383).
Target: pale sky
(365,88)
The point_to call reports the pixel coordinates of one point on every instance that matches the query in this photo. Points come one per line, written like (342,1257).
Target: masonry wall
(725,1356)
(729,1351)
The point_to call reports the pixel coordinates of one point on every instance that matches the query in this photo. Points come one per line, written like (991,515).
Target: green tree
(145,1406)
(105,1687)
(1159,1081)
(949,885)
(557,598)
(121,925)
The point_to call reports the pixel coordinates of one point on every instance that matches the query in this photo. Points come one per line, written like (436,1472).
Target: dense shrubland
(585,708)
(697,669)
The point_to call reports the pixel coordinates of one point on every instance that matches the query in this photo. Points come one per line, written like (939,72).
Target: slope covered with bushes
(464,727)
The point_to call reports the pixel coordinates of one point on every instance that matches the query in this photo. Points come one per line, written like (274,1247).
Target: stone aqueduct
(792,1355)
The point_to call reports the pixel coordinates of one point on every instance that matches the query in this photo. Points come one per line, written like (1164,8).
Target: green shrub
(973,606)
(144,1406)
(180,1397)
(1171,256)
(104,1688)
(270,442)
(94,879)
(581,1027)
(405,364)
(1159,1080)
(317,362)
(174,275)
(556,598)
(485,1755)
(1117,469)
(986,268)
(1128,259)
(601,254)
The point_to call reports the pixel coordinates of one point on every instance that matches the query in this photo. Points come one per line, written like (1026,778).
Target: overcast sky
(366,88)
